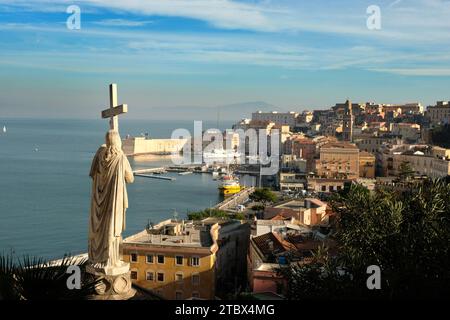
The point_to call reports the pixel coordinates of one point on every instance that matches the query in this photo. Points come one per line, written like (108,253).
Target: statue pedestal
(115,282)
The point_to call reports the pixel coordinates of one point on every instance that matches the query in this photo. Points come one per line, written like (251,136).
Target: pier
(150,170)
(153,176)
(232,202)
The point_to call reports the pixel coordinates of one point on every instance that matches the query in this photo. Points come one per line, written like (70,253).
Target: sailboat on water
(4,129)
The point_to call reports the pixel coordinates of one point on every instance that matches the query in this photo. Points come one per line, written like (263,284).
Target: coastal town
(261,158)
(239,246)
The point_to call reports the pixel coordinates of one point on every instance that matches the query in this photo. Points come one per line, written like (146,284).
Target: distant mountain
(228,112)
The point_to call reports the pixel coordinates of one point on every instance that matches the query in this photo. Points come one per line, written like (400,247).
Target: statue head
(113,142)
(113,139)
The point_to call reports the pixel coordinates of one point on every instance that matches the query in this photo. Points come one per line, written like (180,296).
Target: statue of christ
(110,171)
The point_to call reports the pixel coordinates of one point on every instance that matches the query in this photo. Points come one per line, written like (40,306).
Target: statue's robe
(109,202)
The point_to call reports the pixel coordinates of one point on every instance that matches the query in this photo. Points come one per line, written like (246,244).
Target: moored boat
(229,185)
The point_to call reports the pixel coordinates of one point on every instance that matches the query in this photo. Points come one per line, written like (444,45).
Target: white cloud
(402,21)
(415,39)
(122,23)
(428,72)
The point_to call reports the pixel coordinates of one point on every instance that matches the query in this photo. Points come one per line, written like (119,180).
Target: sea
(45,185)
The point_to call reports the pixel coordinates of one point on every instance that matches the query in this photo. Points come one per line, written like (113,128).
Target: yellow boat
(229,186)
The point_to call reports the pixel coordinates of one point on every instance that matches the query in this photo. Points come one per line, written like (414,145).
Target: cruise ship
(229,185)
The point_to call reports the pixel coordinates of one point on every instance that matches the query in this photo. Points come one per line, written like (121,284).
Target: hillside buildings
(366,165)
(338,160)
(279,118)
(302,147)
(439,113)
(433,162)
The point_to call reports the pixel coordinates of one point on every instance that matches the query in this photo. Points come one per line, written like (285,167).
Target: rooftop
(301,204)
(175,233)
(269,244)
(293,246)
(340,145)
(366,154)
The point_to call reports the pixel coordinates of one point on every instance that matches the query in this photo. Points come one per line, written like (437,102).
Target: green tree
(203,214)
(406,234)
(406,171)
(239,216)
(263,195)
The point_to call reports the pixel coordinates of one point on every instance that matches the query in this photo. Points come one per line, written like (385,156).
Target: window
(160,276)
(195,261)
(179,276)
(150,276)
(196,279)
(133,257)
(178,295)
(179,260)
(150,258)
(324,188)
(134,275)
(160,259)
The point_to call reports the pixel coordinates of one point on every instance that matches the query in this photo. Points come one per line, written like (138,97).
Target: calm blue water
(45,187)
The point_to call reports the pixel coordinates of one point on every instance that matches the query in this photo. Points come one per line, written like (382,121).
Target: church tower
(347,127)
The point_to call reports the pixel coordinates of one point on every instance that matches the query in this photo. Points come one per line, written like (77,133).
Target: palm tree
(32,278)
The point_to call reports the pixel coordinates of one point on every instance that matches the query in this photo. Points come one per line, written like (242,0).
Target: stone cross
(114,110)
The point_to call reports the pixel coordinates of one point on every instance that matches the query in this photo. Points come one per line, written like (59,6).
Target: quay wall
(142,145)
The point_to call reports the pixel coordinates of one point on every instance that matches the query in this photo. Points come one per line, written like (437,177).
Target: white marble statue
(110,172)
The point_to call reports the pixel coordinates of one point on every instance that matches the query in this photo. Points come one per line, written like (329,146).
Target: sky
(293,54)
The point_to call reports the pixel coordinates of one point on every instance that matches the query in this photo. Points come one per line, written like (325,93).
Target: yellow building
(338,160)
(366,165)
(174,259)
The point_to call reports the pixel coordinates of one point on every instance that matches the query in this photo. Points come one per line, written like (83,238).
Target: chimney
(270,244)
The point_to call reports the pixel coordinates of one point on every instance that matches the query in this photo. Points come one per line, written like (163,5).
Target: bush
(200,215)
(263,195)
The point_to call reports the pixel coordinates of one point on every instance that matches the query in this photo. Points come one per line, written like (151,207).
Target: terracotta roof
(341,145)
(264,242)
(280,216)
(317,202)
